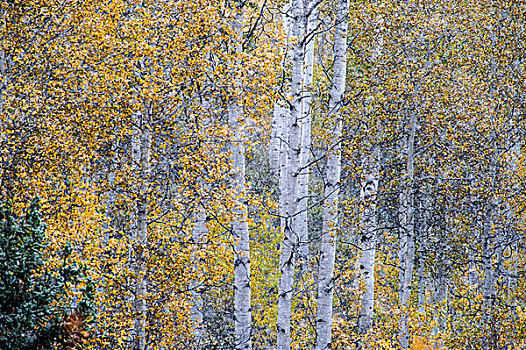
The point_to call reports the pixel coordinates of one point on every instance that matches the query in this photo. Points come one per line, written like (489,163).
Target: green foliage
(30,308)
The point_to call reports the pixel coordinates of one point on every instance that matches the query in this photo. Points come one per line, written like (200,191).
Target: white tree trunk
(488,247)
(279,141)
(3,82)
(302,221)
(199,237)
(368,240)
(3,87)
(141,239)
(489,242)
(368,197)
(277,148)
(242,313)
(407,239)
(290,184)
(332,185)
(199,234)
(242,309)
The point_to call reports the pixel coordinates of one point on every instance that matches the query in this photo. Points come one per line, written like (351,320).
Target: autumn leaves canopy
(274,174)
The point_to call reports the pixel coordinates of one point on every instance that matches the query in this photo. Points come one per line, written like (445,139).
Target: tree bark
(489,244)
(332,185)
(242,309)
(302,223)
(290,183)
(277,148)
(199,238)
(368,240)
(199,234)
(243,316)
(141,239)
(3,87)
(407,239)
(3,81)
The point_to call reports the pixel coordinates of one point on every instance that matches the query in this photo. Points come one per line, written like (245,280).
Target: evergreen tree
(29,294)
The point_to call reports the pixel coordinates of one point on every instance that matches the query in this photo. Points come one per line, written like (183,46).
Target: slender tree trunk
(240,231)
(3,87)
(141,239)
(3,81)
(199,237)
(368,240)
(242,309)
(290,184)
(332,185)
(277,148)
(368,196)
(199,234)
(488,247)
(515,144)
(278,141)
(490,209)
(407,239)
(302,223)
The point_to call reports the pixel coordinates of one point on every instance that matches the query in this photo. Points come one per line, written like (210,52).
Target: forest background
(262,174)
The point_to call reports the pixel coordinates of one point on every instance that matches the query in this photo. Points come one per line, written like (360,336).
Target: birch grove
(303,174)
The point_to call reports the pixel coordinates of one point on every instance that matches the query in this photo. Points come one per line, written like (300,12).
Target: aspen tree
(242,278)
(290,184)
(368,195)
(278,138)
(407,234)
(141,240)
(407,200)
(87,88)
(199,233)
(4,80)
(332,183)
(306,111)
(490,245)
(368,198)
